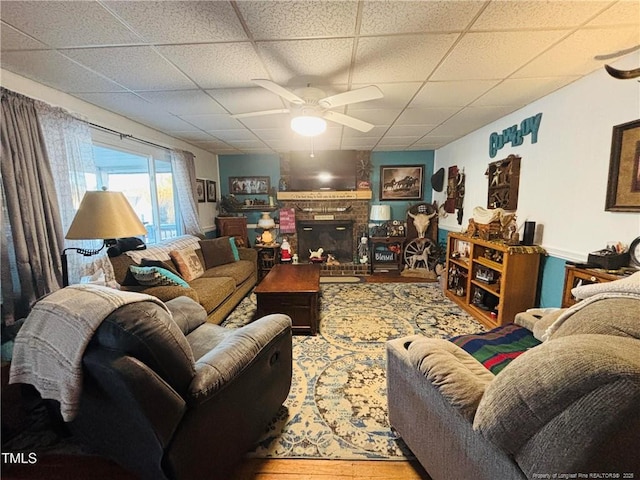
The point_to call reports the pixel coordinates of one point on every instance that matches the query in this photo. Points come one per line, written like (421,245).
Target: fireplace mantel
(329,195)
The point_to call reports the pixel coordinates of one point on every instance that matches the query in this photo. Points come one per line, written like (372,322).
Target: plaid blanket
(496,348)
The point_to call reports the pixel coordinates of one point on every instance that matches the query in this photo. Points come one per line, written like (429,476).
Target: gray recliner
(181,398)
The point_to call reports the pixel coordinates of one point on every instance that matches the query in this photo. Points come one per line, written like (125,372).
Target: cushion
(240,271)
(212,291)
(188,263)
(234,248)
(152,276)
(217,251)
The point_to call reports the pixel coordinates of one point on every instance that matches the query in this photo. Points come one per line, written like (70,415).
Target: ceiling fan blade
(278,90)
(622,74)
(348,121)
(352,96)
(258,114)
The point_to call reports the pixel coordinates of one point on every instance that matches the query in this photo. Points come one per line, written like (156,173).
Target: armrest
(459,377)
(250,254)
(236,353)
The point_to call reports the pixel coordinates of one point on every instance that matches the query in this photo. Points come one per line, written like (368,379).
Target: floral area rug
(337,405)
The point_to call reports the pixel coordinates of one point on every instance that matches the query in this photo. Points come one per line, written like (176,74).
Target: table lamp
(380,213)
(267,224)
(102,215)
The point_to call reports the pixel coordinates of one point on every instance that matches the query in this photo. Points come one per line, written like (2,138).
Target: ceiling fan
(311,106)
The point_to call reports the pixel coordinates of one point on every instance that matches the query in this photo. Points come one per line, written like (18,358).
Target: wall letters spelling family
(515,135)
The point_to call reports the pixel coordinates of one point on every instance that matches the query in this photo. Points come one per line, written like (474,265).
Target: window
(144,176)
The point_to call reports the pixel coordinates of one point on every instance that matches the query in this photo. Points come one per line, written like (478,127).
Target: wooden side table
(268,256)
(574,277)
(386,259)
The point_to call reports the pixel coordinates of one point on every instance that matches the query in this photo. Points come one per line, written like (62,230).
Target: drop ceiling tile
(328,59)
(247,144)
(518,92)
(493,55)
(232,135)
(393,59)
(181,102)
(243,100)
(400,142)
(621,13)
(123,103)
(520,14)
(385,17)
(375,115)
(396,95)
(181,21)
(426,116)
(55,70)
(470,119)
(220,65)
(162,122)
(271,134)
(299,19)
(216,144)
(278,120)
(137,68)
(416,131)
(12,39)
(209,122)
(453,93)
(68,24)
(574,55)
(375,132)
(192,135)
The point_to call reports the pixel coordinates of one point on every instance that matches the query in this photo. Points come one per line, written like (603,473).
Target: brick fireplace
(326,211)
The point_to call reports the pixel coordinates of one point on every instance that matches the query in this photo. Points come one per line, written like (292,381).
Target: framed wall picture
(401,182)
(623,187)
(249,185)
(200,190)
(211,191)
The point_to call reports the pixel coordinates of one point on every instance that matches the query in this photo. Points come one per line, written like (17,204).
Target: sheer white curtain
(184,177)
(70,149)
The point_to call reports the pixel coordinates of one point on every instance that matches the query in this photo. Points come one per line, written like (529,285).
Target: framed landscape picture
(200,190)
(401,182)
(249,185)
(211,191)
(623,187)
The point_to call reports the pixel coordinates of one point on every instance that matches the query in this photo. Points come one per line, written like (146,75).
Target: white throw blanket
(160,251)
(49,347)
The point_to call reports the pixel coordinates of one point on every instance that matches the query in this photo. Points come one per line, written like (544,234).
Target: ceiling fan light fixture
(308,125)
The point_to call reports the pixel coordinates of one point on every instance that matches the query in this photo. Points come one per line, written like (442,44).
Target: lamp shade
(380,213)
(104,215)
(266,222)
(308,125)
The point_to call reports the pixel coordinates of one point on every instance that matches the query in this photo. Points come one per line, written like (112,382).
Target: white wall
(206,162)
(563,177)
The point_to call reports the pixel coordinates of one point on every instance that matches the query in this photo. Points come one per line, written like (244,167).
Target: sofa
(568,406)
(227,272)
(176,397)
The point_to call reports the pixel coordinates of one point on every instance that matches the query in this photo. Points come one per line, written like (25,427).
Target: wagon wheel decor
(420,253)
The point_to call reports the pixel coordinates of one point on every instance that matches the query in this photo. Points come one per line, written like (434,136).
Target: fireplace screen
(333,236)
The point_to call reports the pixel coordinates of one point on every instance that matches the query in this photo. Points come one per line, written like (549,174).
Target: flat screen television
(328,170)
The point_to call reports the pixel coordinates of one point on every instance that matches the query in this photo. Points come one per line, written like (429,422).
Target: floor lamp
(102,215)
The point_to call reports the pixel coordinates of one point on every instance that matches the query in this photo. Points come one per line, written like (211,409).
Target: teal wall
(269,165)
(266,165)
(418,157)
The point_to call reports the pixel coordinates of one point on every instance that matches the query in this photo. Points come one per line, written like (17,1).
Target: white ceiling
(446,68)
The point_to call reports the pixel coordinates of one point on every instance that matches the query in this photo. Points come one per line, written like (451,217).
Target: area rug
(337,406)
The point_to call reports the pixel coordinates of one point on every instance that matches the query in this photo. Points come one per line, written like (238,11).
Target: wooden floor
(265,469)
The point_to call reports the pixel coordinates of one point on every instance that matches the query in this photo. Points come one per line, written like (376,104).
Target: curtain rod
(126,135)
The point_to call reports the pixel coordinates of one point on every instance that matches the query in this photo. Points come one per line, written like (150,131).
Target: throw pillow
(188,263)
(217,251)
(234,248)
(155,276)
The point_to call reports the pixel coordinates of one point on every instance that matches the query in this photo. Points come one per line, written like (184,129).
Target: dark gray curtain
(31,207)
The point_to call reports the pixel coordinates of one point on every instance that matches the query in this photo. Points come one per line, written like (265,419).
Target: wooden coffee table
(293,290)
